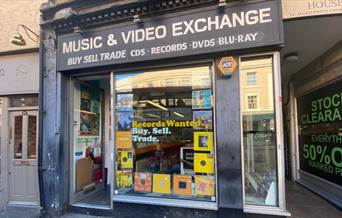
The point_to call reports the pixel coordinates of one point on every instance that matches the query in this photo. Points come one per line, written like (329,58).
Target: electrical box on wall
(227,66)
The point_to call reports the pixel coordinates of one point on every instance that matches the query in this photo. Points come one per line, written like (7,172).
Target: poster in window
(182,185)
(201,99)
(124,178)
(205,117)
(89,124)
(125,120)
(162,183)
(204,185)
(126,159)
(203,163)
(203,141)
(142,182)
(123,139)
(124,102)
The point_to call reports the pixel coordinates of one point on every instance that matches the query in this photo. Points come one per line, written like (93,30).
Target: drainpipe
(41,113)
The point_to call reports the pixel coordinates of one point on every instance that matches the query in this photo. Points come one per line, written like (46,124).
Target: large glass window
(259,136)
(164,135)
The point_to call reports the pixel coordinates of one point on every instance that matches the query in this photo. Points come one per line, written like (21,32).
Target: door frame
(74,197)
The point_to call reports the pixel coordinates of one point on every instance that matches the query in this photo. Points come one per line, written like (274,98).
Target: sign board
(320,136)
(19,74)
(307,8)
(226,66)
(210,30)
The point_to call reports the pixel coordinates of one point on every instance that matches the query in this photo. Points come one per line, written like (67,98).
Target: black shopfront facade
(161,109)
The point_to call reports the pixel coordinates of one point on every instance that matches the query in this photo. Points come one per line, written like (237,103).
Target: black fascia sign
(211,30)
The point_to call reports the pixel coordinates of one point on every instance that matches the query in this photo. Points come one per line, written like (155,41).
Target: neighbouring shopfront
(176,113)
(19,129)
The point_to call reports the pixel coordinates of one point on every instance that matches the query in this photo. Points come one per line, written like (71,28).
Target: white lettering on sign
(185,27)
(82,45)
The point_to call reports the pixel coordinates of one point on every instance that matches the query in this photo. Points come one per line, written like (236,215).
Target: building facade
(19,73)
(168,107)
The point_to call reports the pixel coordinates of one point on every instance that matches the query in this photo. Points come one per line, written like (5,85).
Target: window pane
(23,101)
(251,79)
(259,137)
(32,137)
(18,140)
(164,134)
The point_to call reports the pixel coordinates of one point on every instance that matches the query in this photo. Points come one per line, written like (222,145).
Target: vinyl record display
(142,182)
(204,185)
(204,163)
(182,185)
(162,183)
(126,159)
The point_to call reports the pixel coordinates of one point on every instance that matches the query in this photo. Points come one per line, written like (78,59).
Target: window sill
(265,210)
(165,202)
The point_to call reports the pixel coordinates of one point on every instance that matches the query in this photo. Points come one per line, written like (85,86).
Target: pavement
(300,202)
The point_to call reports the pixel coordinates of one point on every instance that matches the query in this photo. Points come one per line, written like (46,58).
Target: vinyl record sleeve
(124,178)
(123,139)
(142,182)
(126,159)
(203,163)
(182,185)
(162,183)
(204,185)
(203,141)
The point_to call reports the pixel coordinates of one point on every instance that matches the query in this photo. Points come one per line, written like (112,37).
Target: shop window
(251,79)
(24,101)
(252,102)
(164,136)
(259,136)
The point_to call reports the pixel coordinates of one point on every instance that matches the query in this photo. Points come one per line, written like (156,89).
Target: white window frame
(254,85)
(257,103)
(261,209)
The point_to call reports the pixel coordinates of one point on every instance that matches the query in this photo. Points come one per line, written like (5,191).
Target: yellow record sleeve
(123,139)
(203,163)
(203,141)
(204,186)
(162,183)
(126,159)
(182,185)
(124,178)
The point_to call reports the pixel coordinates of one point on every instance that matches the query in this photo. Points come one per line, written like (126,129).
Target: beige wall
(264,84)
(14,12)
(306,8)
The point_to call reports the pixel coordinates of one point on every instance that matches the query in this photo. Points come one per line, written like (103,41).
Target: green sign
(320,132)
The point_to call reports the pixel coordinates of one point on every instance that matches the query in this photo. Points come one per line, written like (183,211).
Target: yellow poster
(204,185)
(123,139)
(126,159)
(162,183)
(203,141)
(124,178)
(203,163)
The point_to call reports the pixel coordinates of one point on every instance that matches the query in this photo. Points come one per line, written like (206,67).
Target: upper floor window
(252,102)
(251,79)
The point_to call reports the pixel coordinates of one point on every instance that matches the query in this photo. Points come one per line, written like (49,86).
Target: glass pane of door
(259,133)
(18,137)
(32,137)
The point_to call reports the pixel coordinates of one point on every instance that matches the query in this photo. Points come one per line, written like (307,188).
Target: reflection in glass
(32,137)
(259,139)
(18,143)
(164,134)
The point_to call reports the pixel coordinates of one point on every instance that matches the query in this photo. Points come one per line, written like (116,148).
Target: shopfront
(179,113)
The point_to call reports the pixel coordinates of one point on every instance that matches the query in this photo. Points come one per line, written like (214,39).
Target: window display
(164,135)
(259,134)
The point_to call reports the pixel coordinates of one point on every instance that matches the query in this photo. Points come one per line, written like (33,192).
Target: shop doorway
(90,142)
(23,173)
